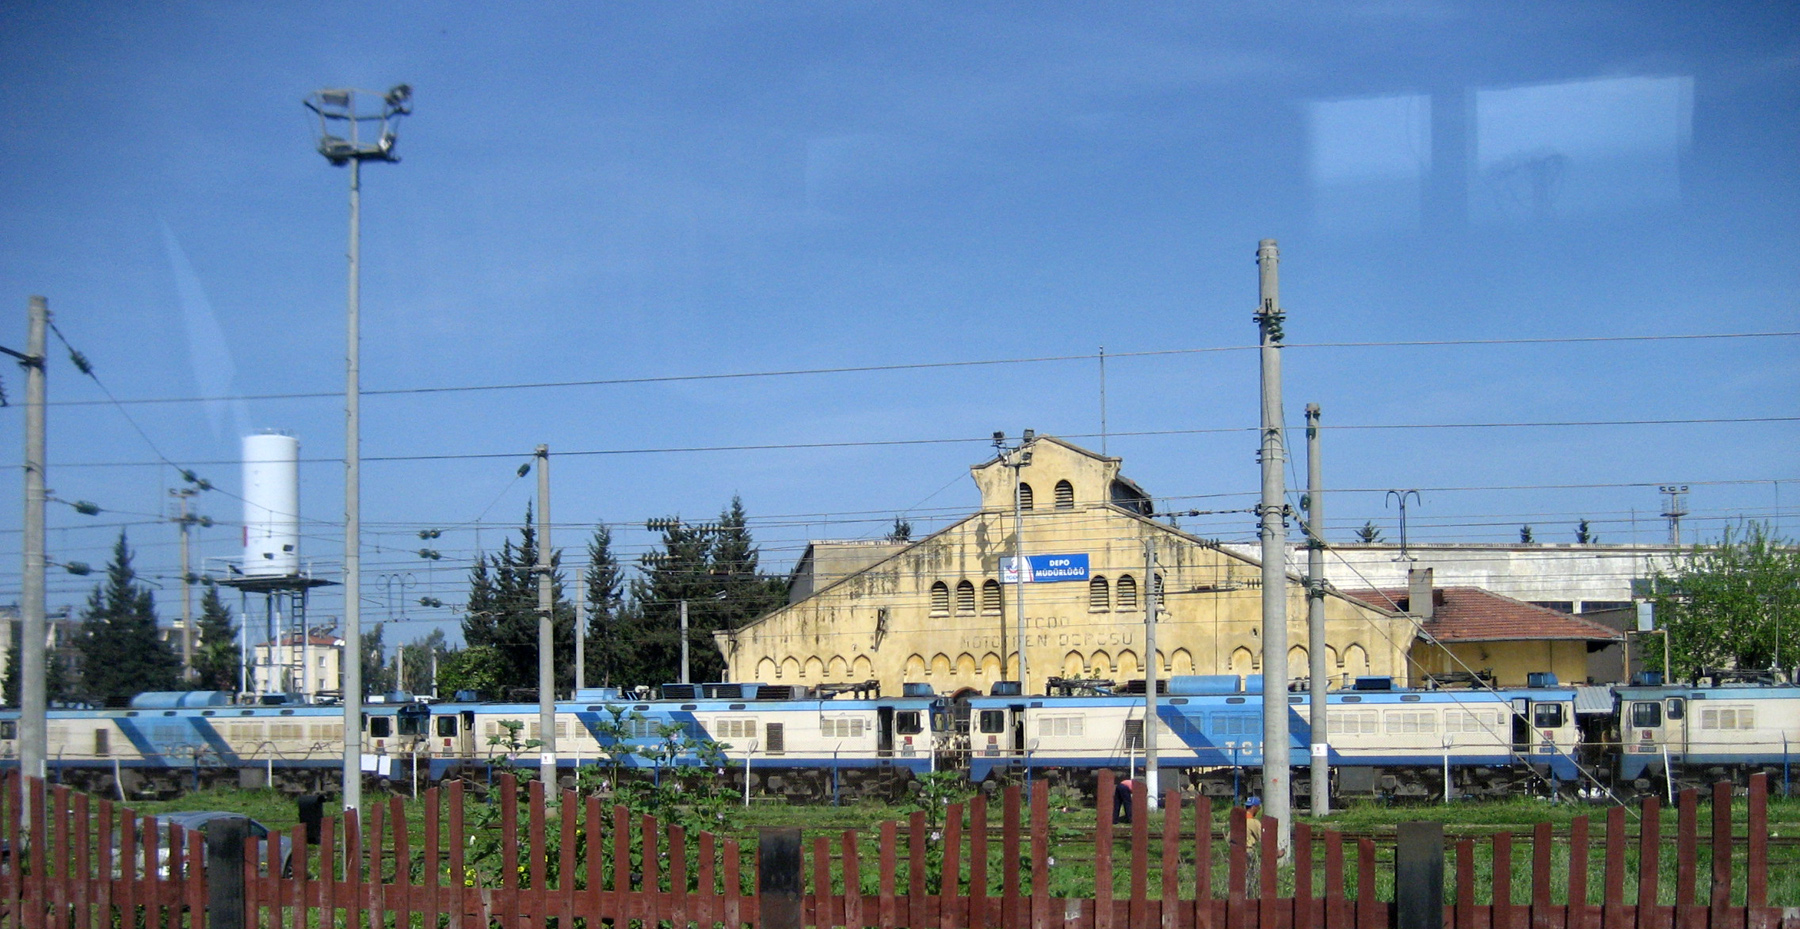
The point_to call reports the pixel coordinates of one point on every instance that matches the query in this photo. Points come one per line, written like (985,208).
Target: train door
(1018,728)
(1521,726)
(452,734)
(990,730)
(884,732)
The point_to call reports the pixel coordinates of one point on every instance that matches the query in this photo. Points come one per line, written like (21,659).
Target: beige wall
(1509,661)
(883,622)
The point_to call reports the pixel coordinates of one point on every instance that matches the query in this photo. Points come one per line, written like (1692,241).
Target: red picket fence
(73,861)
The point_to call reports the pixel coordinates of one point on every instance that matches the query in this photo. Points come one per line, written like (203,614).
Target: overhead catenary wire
(938,365)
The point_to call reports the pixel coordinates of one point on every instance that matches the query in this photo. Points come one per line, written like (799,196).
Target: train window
(9,729)
(1352,698)
(1134,734)
(379,727)
(207,712)
(841,728)
(736,728)
(1063,726)
(1646,715)
(1234,699)
(240,712)
(287,712)
(134,712)
(908,722)
(642,707)
(992,721)
(735,706)
(1547,715)
(446,727)
(1676,706)
(1409,698)
(690,706)
(168,712)
(777,739)
(1178,701)
(411,724)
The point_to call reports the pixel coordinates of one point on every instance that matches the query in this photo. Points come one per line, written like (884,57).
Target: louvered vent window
(1127,592)
(965,598)
(1024,496)
(940,599)
(990,597)
(1065,495)
(1099,596)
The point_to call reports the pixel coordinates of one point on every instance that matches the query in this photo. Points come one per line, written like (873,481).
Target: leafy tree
(607,650)
(56,673)
(1735,603)
(1584,535)
(1524,535)
(715,569)
(377,677)
(502,612)
(480,668)
(902,531)
(1369,533)
(418,657)
(121,653)
(218,659)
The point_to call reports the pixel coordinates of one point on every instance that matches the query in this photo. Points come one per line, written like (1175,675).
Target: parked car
(196,821)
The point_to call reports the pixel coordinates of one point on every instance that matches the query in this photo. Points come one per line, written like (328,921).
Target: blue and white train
(806,743)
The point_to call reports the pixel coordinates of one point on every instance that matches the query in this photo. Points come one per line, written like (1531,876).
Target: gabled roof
(1471,614)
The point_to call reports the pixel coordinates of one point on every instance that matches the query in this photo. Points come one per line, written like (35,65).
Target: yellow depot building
(941,610)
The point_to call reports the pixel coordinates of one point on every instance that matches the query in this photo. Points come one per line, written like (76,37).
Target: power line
(934,365)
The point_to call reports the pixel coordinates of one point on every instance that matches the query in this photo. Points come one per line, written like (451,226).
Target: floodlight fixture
(348,133)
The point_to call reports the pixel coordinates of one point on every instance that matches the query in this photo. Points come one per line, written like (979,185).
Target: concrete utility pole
(1315,615)
(580,631)
(546,627)
(1016,458)
(1277,787)
(1151,773)
(684,644)
(33,699)
(181,495)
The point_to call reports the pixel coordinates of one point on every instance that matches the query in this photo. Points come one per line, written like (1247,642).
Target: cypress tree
(121,653)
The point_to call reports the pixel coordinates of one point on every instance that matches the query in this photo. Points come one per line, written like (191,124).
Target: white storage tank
(271,505)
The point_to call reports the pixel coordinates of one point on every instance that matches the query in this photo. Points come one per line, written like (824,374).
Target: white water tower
(271,505)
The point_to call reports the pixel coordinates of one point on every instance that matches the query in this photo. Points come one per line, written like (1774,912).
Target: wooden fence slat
(1613,911)
(1649,855)
(350,894)
(1336,906)
(459,881)
(40,856)
(1011,912)
(59,870)
(1541,839)
(376,827)
(1465,884)
(1367,917)
(890,866)
(1171,858)
(402,895)
(275,897)
(978,862)
(650,834)
(710,905)
(1103,852)
(1578,873)
(679,909)
(734,886)
(1203,861)
(1721,852)
(569,815)
(1687,841)
(327,888)
(1235,880)
(537,898)
(916,908)
(950,874)
(621,854)
(1303,876)
(298,899)
(1140,857)
(1756,863)
(819,901)
(433,900)
(852,880)
(1040,854)
(1502,880)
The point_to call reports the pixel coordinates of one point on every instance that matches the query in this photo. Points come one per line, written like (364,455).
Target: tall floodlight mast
(349,136)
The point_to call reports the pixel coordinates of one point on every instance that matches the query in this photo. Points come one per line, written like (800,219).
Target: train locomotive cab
(399,736)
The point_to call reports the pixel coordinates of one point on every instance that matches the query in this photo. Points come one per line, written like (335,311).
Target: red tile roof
(1470,614)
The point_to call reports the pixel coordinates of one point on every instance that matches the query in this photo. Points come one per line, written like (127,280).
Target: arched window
(1024,496)
(940,599)
(1099,597)
(990,597)
(965,597)
(1127,592)
(1065,495)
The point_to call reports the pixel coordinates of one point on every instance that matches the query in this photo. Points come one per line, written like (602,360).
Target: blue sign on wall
(1046,569)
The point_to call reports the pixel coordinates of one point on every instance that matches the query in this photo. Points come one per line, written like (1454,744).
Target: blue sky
(629,191)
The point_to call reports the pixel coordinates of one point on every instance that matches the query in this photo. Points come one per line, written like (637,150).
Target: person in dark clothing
(1122,800)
